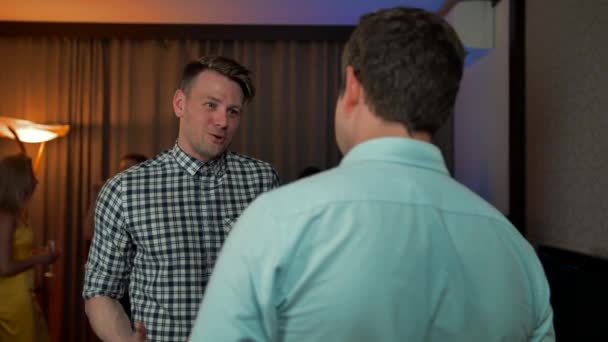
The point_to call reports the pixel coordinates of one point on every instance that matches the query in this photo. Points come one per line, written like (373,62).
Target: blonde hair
(16,182)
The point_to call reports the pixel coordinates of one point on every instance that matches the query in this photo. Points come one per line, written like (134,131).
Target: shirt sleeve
(241,299)
(110,256)
(272,181)
(544,331)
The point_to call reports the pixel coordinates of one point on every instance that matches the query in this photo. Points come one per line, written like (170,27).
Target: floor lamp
(24,131)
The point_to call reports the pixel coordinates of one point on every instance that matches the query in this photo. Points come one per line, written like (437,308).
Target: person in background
(386,246)
(21,319)
(159,226)
(308,171)
(130,159)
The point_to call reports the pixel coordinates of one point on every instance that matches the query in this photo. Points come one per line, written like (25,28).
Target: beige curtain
(116,95)
(56,80)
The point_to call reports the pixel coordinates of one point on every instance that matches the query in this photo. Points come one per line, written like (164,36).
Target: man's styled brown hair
(222,65)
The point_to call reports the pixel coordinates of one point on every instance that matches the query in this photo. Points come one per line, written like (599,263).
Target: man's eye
(210,105)
(234,112)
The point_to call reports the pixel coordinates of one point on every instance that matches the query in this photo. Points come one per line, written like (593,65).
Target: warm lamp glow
(30,132)
(31,135)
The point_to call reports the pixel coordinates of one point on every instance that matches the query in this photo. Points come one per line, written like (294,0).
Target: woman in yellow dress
(20,317)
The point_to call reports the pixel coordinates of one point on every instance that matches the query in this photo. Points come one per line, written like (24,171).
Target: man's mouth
(216,138)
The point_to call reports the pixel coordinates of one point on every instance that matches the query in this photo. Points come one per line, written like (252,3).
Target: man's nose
(221,119)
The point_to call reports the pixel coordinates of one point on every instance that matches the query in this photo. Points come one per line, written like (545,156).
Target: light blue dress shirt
(384,247)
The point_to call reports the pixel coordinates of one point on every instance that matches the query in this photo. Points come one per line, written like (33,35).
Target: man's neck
(378,128)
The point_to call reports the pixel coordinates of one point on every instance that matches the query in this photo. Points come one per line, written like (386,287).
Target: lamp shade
(30,132)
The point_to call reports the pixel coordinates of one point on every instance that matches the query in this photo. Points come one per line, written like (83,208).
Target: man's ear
(179,102)
(353,92)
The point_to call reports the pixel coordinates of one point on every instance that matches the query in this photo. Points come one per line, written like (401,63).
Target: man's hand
(140,334)
(110,323)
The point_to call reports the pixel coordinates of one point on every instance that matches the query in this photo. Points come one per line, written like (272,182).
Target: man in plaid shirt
(160,225)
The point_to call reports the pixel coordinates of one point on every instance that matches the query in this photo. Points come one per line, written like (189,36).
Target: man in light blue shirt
(385,247)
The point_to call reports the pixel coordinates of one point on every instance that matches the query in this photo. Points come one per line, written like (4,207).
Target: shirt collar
(400,150)
(193,166)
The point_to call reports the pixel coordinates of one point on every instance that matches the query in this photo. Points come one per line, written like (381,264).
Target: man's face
(209,114)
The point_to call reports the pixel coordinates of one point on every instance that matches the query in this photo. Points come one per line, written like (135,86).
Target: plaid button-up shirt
(159,227)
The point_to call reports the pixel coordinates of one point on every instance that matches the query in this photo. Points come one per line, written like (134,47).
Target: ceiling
(271,12)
